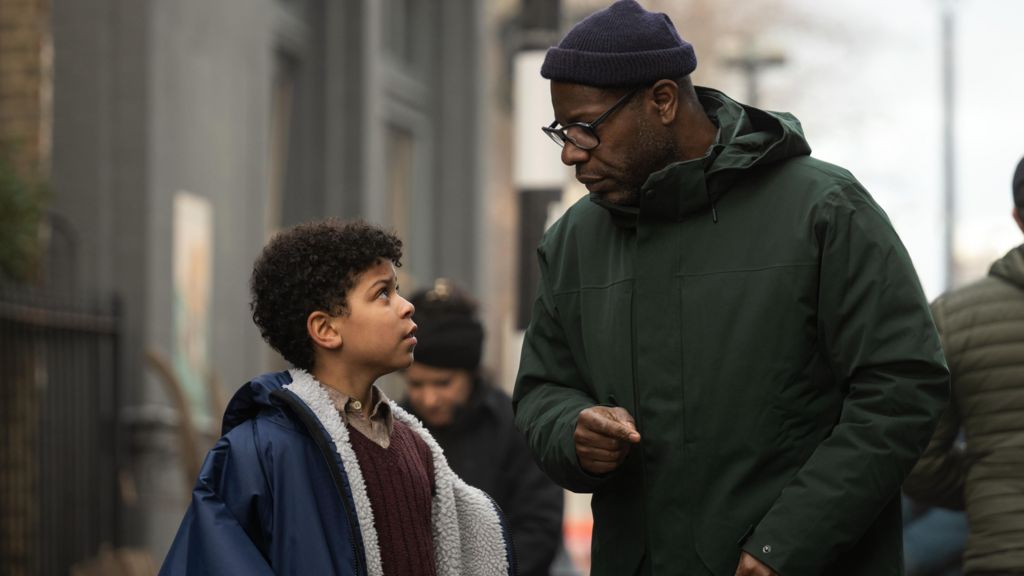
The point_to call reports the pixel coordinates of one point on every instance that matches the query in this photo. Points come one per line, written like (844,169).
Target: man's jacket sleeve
(875,328)
(550,394)
(221,529)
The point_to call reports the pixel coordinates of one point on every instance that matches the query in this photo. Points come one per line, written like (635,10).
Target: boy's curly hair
(312,267)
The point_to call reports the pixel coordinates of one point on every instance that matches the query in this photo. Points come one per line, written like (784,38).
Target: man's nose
(572,154)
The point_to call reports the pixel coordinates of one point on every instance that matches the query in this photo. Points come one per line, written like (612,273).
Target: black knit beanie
(622,45)
(448,332)
(1018,185)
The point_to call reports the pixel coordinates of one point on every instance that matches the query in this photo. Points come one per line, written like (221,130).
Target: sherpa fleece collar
(469,533)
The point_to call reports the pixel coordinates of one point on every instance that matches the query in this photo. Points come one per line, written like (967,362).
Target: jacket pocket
(606,321)
(718,545)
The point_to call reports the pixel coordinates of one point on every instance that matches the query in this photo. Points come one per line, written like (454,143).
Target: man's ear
(665,94)
(322,330)
(1017,218)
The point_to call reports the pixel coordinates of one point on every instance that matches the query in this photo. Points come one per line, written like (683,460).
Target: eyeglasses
(583,135)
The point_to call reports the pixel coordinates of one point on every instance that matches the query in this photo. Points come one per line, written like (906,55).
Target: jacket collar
(1010,267)
(470,535)
(747,137)
(670,194)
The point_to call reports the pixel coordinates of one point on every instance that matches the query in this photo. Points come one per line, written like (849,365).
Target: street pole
(538,173)
(949,139)
(751,64)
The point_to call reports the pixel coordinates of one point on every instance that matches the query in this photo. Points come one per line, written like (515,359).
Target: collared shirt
(376,423)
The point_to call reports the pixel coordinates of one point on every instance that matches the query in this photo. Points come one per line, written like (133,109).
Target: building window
(281,120)
(400,152)
(404,32)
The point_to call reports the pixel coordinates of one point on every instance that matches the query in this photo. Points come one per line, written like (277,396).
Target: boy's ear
(321,328)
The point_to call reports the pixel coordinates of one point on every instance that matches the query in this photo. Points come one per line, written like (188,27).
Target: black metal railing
(59,400)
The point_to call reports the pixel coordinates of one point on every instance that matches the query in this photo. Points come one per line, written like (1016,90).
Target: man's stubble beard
(656,149)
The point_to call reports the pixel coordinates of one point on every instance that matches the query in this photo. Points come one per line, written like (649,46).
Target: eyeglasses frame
(560,137)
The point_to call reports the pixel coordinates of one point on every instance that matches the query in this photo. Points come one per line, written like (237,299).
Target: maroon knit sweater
(399,482)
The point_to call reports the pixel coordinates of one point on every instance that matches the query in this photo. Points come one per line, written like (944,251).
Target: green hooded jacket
(759,317)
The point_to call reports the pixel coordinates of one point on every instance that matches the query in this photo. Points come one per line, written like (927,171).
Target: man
(982,327)
(730,347)
(472,421)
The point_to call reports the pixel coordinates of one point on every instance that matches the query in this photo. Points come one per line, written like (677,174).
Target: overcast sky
(864,77)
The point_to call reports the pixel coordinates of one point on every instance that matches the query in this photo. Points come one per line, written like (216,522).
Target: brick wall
(26,84)
(25,88)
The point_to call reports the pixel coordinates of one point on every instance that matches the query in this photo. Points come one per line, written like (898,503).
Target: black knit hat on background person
(1018,185)
(622,45)
(448,333)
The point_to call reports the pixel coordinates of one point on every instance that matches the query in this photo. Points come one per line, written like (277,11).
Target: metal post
(751,63)
(948,140)
(537,173)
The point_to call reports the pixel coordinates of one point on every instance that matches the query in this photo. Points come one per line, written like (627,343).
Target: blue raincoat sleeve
(225,528)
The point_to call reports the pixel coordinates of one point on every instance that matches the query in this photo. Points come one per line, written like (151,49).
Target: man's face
(437,393)
(633,142)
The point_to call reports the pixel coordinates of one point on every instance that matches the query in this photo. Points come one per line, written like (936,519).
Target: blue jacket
(279,494)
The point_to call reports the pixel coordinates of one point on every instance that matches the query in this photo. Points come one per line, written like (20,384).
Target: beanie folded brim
(631,68)
(455,343)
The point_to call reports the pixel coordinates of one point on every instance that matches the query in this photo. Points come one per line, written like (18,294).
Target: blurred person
(982,330)
(472,421)
(730,347)
(933,539)
(317,471)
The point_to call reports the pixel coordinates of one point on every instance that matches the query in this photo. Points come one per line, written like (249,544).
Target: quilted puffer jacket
(982,331)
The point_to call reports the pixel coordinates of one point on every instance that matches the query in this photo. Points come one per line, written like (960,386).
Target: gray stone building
(186,132)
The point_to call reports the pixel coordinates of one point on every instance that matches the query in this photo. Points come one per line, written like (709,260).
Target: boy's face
(378,334)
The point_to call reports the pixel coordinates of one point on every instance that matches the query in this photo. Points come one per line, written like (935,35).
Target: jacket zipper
(636,401)
(513,558)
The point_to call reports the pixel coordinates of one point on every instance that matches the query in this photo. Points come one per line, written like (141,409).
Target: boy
(317,471)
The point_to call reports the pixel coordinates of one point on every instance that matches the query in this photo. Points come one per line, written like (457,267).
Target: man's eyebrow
(582,116)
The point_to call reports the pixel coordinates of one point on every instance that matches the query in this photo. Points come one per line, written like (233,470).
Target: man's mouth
(591,182)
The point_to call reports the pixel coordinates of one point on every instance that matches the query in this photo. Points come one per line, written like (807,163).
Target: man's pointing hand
(603,438)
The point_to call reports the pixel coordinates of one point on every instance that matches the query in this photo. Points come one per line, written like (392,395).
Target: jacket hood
(748,138)
(253,397)
(1010,267)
